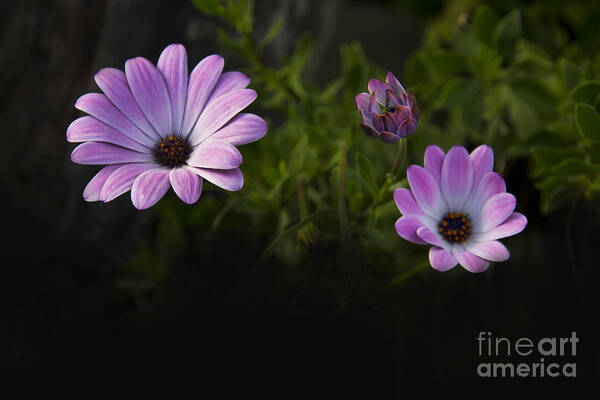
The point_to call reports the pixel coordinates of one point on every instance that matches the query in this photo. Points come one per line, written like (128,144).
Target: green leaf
(484,22)
(587,92)
(386,208)
(570,72)
(524,117)
(507,32)
(550,156)
(445,63)
(273,31)
(363,167)
(210,7)
(557,190)
(299,154)
(297,63)
(291,231)
(574,166)
(587,120)
(244,19)
(400,184)
(456,92)
(472,112)
(414,70)
(537,96)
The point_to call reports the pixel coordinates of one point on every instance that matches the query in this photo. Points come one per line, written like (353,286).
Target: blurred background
(91,285)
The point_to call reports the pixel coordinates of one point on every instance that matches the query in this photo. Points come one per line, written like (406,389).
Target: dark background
(218,318)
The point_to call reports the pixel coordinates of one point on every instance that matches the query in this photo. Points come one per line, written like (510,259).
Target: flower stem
(400,157)
(392,175)
(301,198)
(390,179)
(219,218)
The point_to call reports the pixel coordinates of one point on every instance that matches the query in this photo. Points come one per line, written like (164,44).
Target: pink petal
(407,128)
(367,119)
(89,129)
(441,259)
(228,179)
(482,159)
(406,202)
(426,191)
(491,184)
(393,83)
(94,187)
(229,82)
(149,187)
(470,262)
(101,108)
(98,153)
(406,227)
(215,154)
(202,82)
(150,91)
(219,111)
(362,100)
(120,181)
(172,64)
(456,178)
(242,129)
(492,250)
(434,159)
(186,185)
(379,88)
(495,211)
(373,109)
(114,84)
(513,225)
(427,235)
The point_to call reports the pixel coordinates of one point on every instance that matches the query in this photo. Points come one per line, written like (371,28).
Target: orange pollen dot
(455,227)
(172,151)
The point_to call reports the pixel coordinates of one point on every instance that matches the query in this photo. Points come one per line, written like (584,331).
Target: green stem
(219,218)
(301,198)
(400,157)
(391,177)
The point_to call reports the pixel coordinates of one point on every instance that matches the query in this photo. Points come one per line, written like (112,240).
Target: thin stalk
(402,148)
(400,157)
(219,218)
(301,198)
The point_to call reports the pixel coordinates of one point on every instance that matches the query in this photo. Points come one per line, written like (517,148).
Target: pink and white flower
(155,127)
(457,204)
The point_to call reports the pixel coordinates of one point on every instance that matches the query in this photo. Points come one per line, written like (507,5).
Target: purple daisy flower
(155,128)
(458,205)
(388,111)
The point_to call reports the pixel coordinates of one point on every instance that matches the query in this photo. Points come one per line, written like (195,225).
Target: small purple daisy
(458,205)
(155,128)
(389,112)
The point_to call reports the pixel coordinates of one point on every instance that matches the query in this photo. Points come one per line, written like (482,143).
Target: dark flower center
(455,227)
(172,151)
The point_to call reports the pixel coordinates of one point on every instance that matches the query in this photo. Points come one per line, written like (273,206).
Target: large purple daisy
(155,128)
(458,205)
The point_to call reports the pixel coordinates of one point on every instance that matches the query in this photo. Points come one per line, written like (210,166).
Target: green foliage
(317,186)
(238,13)
(522,97)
